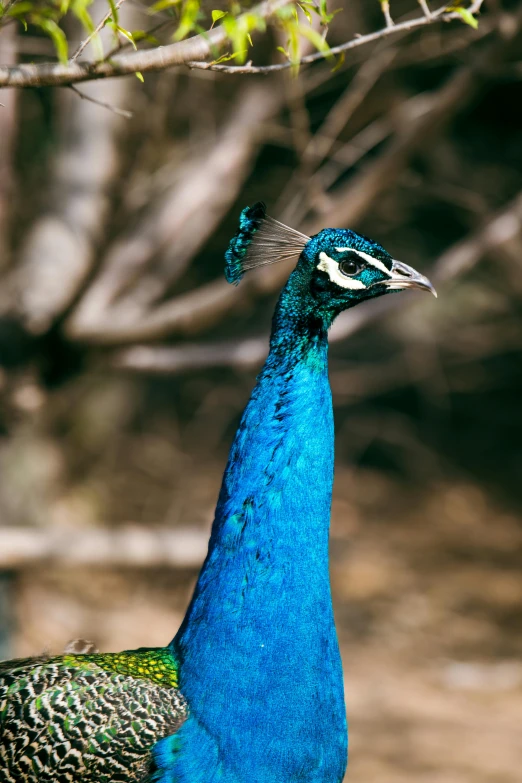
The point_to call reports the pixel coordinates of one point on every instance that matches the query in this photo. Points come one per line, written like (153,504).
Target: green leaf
(316,40)
(217,15)
(283,51)
(466,15)
(189,17)
(123,32)
(114,11)
(57,35)
(340,62)
(143,35)
(139,76)
(306,12)
(161,5)
(79,9)
(20,8)
(286,12)
(225,58)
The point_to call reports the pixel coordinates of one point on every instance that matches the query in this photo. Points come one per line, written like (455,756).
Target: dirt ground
(428,596)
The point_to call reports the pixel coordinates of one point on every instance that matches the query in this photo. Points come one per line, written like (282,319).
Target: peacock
(251,687)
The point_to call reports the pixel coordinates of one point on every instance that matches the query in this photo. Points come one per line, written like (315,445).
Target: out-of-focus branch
(108,106)
(423,120)
(59,251)
(127,546)
(193,52)
(173,230)
(457,260)
(498,231)
(160,359)
(7,131)
(293,202)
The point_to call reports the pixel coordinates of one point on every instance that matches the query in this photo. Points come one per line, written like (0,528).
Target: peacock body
(251,687)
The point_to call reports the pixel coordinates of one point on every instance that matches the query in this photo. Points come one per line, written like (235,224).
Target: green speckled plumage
(92,718)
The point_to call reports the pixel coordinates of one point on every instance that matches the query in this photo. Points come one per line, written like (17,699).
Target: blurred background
(126,361)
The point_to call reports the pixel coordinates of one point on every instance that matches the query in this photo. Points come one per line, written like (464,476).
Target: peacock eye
(350,266)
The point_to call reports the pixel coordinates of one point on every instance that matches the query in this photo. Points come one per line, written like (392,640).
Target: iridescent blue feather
(249,222)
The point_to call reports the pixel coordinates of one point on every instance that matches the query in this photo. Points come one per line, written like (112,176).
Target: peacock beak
(404,276)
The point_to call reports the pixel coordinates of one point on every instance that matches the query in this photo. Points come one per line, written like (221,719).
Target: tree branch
(173,231)
(192,53)
(131,545)
(60,249)
(180,53)
(440,15)
(8,111)
(103,104)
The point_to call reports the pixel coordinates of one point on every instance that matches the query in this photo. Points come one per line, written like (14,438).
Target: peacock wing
(88,717)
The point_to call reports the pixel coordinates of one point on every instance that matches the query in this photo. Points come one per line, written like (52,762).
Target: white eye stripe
(369,259)
(331,267)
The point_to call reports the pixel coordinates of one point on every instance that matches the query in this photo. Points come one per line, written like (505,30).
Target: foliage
(299,21)
(188,16)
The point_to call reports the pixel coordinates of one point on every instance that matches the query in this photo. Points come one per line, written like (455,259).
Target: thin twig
(385,6)
(424,5)
(96,31)
(114,109)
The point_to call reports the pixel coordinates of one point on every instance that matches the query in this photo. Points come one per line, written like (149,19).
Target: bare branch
(424,118)
(499,230)
(193,52)
(7,134)
(292,204)
(385,6)
(173,229)
(131,545)
(424,5)
(457,260)
(60,249)
(114,109)
(169,360)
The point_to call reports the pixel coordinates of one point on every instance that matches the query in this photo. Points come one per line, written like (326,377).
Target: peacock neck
(260,625)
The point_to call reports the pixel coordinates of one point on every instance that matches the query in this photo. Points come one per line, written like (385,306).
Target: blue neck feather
(259,660)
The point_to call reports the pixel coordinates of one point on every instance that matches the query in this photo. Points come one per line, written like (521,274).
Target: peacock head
(338,267)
